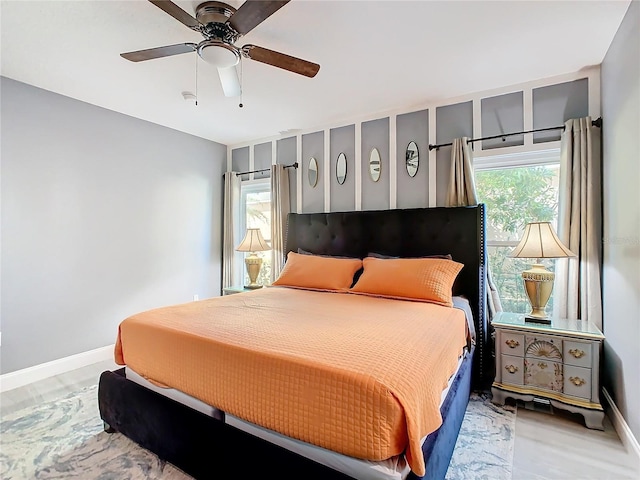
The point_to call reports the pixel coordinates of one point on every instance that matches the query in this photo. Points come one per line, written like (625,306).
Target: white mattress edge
(395,468)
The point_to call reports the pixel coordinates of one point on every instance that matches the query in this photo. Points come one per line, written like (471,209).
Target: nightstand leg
(498,396)
(594,420)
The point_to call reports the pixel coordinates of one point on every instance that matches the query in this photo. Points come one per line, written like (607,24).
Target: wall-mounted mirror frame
(375,164)
(313,172)
(341,168)
(412,159)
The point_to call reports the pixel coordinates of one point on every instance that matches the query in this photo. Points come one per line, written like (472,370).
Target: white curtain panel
(462,192)
(462,186)
(231,234)
(279,210)
(577,291)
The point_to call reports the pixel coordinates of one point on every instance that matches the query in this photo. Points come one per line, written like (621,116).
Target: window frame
(248,187)
(536,158)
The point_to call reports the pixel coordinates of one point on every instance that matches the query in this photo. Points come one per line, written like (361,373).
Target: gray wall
(452,121)
(262,160)
(286,152)
(375,134)
(103,216)
(412,127)
(240,161)
(312,197)
(342,140)
(620,87)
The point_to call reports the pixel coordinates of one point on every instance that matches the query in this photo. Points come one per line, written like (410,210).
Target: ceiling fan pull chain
(241,77)
(196,80)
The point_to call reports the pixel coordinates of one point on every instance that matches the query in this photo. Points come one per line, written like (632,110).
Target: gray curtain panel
(462,186)
(231,233)
(279,211)
(577,285)
(461,192)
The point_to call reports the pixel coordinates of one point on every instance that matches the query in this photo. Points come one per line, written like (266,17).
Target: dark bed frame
(207,448)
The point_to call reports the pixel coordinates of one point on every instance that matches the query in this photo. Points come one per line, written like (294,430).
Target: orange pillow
(426,279)
(318,272)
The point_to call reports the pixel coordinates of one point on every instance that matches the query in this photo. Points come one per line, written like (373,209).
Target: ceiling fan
(222,25)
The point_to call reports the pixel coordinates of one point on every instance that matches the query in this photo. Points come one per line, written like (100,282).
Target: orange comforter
(358,375)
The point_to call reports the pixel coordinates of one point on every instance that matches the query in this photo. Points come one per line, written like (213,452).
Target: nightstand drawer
(543,347)
(577,353)
(512,370)
(577,382)
(543,374)
(512,344)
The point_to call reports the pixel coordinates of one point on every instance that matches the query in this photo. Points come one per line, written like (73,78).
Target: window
(516,189)
(255,212)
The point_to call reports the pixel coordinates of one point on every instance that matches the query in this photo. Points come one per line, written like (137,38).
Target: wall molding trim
(20,378)
(622,428)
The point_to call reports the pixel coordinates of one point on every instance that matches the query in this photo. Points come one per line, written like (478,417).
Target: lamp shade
(540,241)
(253,242)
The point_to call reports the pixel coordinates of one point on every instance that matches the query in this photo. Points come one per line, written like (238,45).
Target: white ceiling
(375,56)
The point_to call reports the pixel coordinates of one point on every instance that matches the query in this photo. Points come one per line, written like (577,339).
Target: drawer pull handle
(542,365)
(511,368)
(511,343)
(577,381)
(577,353)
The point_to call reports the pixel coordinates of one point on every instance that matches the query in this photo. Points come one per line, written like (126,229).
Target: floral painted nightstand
(557,363)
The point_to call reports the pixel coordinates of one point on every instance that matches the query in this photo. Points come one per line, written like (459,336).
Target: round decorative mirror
(341,168)
(412,159)
(313,172)
(375,164)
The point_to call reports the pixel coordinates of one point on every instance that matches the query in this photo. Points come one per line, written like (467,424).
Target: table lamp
(539,241)
(253,242)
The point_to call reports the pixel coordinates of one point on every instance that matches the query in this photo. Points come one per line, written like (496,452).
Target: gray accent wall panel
(452,121)
(412,192)
(103,216)
(342,197)
(620,77)
(261,160)
(555,104)
(375,134)
(286,155)
(312,197)
(502,114)
(240,161)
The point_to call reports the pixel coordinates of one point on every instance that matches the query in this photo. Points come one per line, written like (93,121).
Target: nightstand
(558,364)
(237,289)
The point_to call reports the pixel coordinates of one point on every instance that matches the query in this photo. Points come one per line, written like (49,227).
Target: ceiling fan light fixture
(218,54)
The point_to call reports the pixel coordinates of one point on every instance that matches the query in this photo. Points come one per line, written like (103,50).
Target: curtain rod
(293,165)
(596,123)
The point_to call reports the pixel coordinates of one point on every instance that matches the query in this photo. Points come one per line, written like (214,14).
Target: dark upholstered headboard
(415,232)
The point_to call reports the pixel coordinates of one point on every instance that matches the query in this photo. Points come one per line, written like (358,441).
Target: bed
(249,400)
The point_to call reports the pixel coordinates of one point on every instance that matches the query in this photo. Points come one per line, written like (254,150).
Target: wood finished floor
(548,446)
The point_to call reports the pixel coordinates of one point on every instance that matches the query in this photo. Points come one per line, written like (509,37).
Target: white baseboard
(622,428)
(20,378)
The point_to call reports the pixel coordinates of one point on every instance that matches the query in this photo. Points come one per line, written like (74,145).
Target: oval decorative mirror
(375,164)
(412,159)
(341,168)
(313,172)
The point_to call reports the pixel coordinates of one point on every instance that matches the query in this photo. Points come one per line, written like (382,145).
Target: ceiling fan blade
(252,13)
(159,52)
(178,13)
(280,60)
(230,81)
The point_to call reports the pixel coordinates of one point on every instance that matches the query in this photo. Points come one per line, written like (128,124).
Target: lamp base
(538,283)
(253,264)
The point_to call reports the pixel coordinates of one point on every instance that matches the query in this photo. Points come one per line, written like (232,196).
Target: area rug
(64,439)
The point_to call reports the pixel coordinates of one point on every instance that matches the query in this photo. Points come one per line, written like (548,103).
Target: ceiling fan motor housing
(214,16)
